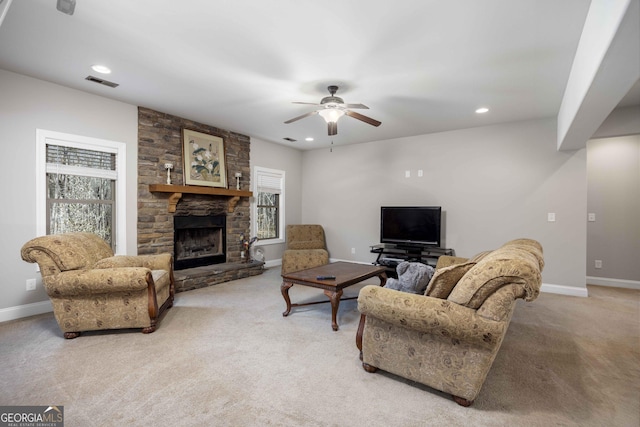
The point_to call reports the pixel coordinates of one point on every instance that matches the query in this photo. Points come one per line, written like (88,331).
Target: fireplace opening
(199,241)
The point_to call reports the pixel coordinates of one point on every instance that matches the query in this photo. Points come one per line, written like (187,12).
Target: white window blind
(269,182)
(82,162)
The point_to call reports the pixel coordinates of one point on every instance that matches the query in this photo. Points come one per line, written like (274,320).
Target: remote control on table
(326,277)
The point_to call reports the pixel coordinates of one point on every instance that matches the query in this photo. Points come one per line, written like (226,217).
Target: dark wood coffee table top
(346,274)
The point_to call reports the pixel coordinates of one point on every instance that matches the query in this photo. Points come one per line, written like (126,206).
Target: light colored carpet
(225,356)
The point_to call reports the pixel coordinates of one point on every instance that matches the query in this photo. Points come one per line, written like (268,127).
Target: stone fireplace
(199,240)
(162,213)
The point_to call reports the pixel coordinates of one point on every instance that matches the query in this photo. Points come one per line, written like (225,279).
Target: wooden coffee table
(346,274)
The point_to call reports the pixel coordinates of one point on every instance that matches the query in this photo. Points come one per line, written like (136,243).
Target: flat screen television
(411,226)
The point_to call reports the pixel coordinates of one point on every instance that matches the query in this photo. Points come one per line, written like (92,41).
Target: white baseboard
(273,263)
(553,289)
(615,283)
(546,287)
(564,290)
(20,311)
(277,262)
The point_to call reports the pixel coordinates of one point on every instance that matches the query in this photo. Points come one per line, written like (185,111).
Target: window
(80,186)
(269,204)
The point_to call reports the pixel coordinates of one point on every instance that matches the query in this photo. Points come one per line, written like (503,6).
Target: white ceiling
(420,66)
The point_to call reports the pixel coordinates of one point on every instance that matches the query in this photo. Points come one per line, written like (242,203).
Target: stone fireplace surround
(160,142)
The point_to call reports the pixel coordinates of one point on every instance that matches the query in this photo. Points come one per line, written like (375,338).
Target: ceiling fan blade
(361,106)
(360,117)
(333,128)
(305,103)
(301,117)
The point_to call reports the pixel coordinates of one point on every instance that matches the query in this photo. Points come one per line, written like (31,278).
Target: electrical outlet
(551,217)
(31,284)
(598,263)
(353,250)
(420,173)
(591,217)
(407,174)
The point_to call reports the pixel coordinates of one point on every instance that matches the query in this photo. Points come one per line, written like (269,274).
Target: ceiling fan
(333,107)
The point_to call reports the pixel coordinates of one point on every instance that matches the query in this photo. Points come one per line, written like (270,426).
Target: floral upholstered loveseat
(91,289)
(448,338)
(306,248)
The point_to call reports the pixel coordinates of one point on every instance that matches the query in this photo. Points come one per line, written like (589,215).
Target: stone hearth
(160,142)
(201,277)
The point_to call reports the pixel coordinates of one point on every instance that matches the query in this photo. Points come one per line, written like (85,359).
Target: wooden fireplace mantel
(176,192)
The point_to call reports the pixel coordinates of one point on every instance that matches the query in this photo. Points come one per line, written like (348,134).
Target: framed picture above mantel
(204,159)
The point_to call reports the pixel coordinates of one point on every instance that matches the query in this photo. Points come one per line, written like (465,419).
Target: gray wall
(27,104)
(494,183)
(613,195)
(620,122)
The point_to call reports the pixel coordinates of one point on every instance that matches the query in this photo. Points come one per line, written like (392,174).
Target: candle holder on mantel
(238,176)
(168,167)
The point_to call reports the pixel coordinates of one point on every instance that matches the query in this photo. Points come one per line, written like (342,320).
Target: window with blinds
(269,200)
(81,187)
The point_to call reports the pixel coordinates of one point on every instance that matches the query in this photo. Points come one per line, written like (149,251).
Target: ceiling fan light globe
(331,100)
(331,115)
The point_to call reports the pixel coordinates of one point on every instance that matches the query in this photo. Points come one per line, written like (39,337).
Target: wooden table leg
(359,334)
(383,278)
(334,297)
(284,288)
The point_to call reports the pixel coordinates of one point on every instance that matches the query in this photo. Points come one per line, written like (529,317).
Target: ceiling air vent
(101,81)
(289,139)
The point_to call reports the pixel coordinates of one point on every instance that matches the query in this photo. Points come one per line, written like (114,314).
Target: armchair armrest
(98,281)
(430,315)
(152,262)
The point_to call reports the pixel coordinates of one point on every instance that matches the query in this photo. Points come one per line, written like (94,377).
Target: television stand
(390,255)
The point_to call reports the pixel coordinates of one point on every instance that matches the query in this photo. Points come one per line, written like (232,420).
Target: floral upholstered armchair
(306,248)
(91,289)
(448,338)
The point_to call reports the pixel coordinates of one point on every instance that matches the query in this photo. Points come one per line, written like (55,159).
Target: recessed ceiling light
(482,110)
(308,139)
(101,69)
